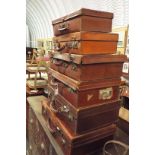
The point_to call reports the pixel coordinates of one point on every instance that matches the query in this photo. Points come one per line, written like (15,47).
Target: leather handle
(56,130)
(63,26)
(53,83)
(57,62)
(61,109)
(52,131)
(52,108)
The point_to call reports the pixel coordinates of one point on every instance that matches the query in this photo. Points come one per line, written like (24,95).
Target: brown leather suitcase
(86,43)
(83,20)
(83,144)
(83,67)
(81,94)
(83,120)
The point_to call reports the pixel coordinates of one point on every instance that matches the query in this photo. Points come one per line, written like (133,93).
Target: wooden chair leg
(35,81)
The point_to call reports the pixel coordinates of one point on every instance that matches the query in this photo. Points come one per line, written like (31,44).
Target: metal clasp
(106,93)
(64,109)
(73,44)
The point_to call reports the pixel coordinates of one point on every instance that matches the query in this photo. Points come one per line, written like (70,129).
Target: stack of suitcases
(83,82)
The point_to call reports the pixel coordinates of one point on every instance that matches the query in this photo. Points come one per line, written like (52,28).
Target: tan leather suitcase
(83,144)
(83,120)
(86,43)
(83,20)
(81,94)
(88,67)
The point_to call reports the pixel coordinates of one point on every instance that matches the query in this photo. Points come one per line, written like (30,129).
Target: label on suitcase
(82,94)
(83,20)
(83,120)
(86,43)
(83,67)
(78,144)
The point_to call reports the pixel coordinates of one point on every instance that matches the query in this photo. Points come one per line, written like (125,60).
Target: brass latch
(106,93)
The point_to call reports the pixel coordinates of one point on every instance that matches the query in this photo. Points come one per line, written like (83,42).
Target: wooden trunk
(88,67)
(83,20)
(40,140)
(83,144)
(86,43)
(38,143)
(81,94)
(83,120)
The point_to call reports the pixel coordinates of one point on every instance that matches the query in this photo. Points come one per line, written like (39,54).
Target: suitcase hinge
(74,67)
(71,90)
(65,64)
(70,117)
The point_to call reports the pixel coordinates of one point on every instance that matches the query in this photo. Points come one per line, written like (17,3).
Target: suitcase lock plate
(73,44)
(74,67)
(65,109)
(105,93)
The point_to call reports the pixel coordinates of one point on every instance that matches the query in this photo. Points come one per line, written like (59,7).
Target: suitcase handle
(43,106)
(57,62)
(63,26)
(52,108)
(53,82)
(61,109)
(52,131)
(56,130)
(44,112)
(50,94)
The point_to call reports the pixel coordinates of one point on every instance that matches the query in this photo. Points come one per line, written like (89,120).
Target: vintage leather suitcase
(83,120)
(83,67)
(83,20)
(81,94)
(83,144)
(86,43)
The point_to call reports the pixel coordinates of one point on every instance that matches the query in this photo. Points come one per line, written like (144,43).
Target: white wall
(27,36)
(40,13)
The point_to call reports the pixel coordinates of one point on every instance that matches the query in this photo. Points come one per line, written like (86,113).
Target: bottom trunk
(83,144)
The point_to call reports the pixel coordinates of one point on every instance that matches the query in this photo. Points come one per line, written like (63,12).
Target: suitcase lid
(84,85)
(89,59)
(80,139)
(85,12)
(87,36)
